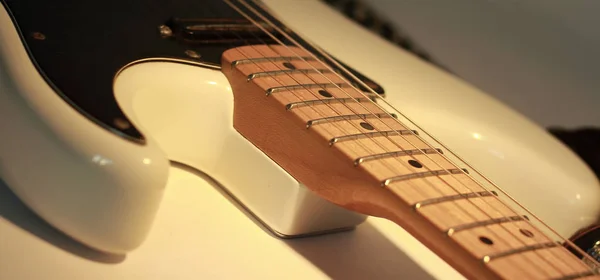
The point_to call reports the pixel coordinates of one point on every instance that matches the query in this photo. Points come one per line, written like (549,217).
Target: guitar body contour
(100,179)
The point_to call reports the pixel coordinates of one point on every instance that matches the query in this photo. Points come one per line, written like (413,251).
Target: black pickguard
(85,43)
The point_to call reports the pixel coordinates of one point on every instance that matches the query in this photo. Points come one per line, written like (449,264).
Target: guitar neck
(346,148)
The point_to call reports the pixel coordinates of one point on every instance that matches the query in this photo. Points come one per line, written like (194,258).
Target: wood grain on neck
(334,146)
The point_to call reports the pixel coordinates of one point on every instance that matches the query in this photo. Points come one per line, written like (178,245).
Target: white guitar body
(121,192)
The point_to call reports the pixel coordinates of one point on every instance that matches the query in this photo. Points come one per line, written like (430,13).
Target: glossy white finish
(199,234)
(188,110)
(79,177)
(508,148)
(104,191)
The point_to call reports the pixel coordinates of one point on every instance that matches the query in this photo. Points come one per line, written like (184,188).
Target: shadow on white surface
(362,253)
(14,210)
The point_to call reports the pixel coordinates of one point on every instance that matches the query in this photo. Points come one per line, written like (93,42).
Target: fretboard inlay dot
(325,93)
(486,240)
(367,126)
(526,232)
(289,65)
(415,163)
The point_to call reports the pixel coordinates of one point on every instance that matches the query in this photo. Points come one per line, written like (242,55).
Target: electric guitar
(308,123)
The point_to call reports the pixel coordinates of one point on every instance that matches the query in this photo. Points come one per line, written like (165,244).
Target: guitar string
(409,182)
(522,207)
(303,59)
(366,86)
(463,209)
(551,264)
(386,165)
(486,213)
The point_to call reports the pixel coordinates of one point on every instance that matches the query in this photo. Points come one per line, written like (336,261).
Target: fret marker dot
(289,65)
(486,240)
(325,93)
(415,163)
(366,126)
(526,232)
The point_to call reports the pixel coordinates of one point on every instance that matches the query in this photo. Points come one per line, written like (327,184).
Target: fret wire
(430,173)
(271,59)
(343,118)
(283,72)
(322,101)
(303,86)
(548,245)
(473,225)
(370,134)
(360,160)
(268,21)
(459,196)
